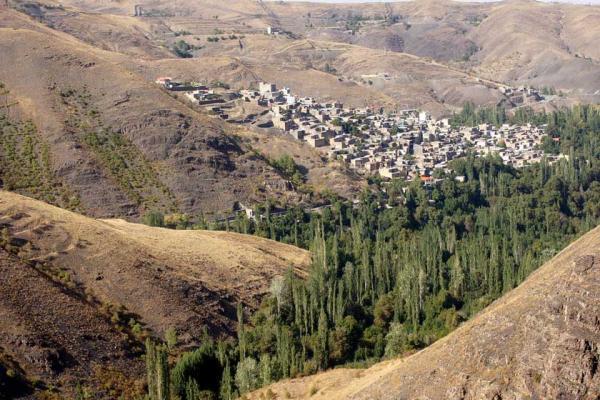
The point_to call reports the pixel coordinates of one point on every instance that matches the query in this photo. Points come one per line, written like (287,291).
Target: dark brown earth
(61,339)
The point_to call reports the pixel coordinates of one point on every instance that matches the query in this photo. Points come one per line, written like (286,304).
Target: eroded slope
(119,142)
(57,338)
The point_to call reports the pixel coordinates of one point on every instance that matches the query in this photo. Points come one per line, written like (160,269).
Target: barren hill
(118,142)
(513,41)
(541,341)
(437,54)
(182,279)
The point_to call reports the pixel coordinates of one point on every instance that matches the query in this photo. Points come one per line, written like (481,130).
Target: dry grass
(184,279)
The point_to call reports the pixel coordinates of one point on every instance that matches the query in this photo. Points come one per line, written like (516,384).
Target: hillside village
(408,144)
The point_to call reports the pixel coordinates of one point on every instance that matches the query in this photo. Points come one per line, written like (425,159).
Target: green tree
(201,367)
(247,375)
(157,371)
(154,218)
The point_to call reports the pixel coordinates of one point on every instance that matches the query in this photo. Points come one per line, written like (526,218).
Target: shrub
(288,168)
(399,341)
(182,49)
(199,368)
(154,218)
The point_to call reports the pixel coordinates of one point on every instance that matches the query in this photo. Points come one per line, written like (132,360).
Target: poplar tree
(157,370)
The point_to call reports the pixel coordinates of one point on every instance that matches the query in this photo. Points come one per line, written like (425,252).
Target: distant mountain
(516,41)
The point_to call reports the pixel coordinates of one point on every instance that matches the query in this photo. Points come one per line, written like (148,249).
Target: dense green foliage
(197,372)
(157,369)
(287,167)
(471,115)
(410,262)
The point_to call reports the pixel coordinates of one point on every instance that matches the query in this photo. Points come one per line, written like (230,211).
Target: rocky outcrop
(540,341)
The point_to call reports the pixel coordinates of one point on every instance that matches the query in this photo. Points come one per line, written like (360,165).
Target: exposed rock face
(572,358)
(540,341)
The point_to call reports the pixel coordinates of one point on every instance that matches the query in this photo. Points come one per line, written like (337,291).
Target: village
(408,144)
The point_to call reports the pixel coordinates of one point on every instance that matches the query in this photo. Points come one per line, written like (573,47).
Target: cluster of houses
(408,144)
(522,95)
(201,95)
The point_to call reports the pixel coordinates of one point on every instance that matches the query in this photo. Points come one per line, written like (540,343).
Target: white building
(265,88)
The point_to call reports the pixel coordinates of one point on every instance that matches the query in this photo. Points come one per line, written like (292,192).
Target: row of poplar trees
(410,262)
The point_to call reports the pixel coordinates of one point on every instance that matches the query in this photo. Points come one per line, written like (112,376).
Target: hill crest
(170,278)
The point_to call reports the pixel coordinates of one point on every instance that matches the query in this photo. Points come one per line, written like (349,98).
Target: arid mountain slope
(167,278)
(540,341)
(55,337)
(119,142)
(434,51)
(514,41)
(355,75)
(540,44)
(112,32)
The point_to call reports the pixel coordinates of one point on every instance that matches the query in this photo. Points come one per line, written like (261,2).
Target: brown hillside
(514,41)
(540,44)
(174,158)
(55,337)
(540,341)
(302,65)
(117,33)
(182,279)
